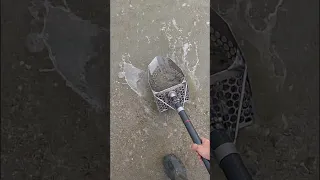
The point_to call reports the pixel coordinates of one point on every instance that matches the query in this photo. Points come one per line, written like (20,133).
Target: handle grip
(223,149)
(192,132)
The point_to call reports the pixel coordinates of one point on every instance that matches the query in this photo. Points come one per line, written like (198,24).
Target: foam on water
(132,75)
(179,48)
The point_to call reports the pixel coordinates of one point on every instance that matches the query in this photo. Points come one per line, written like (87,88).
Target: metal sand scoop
(170,90)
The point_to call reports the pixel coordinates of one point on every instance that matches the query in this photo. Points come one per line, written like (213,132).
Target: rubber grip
(233,168)
(232,164)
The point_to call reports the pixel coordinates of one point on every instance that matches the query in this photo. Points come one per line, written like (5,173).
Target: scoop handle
(192,132)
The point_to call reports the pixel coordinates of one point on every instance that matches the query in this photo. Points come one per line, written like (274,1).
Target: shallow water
(142,31)
(73,46)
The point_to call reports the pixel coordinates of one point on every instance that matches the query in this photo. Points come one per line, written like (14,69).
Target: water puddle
(179,47)
(74,47)
(240,19)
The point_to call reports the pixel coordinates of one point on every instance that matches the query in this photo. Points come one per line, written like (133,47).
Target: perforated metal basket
(163,65)
(230,91)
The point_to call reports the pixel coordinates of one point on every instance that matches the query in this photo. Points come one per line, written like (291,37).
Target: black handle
(233,168)
(223,149)
(192,132)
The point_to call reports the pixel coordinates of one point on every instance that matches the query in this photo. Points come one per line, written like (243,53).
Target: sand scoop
(170,90)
